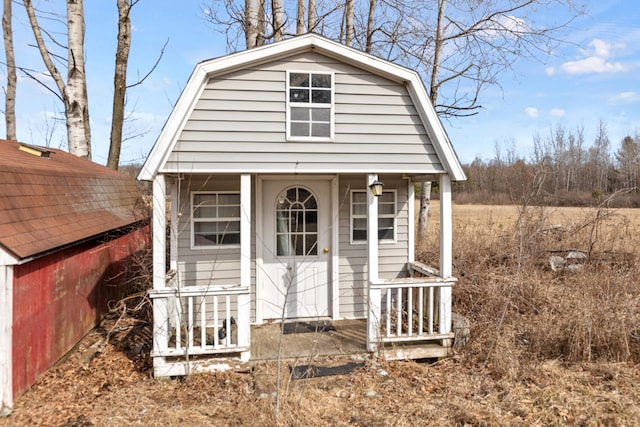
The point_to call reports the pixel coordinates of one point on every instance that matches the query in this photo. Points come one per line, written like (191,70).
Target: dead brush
(522,312)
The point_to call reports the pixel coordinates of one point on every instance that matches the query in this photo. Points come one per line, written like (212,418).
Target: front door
(296,240)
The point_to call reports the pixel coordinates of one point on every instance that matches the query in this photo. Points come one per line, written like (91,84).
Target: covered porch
(204,328)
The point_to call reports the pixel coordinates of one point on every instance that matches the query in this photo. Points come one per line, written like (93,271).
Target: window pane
(202,212)
(283,246)
(359,209)
(300,129)
(204,200)
(301,114)
(229,212)
(360,224)
(359,197)
(359,235)
(311,244)
(311,218)
(386,209)
(229,226)
(385,234)
(321,96)
(206,227)
(298,244)
(299,95)
(229,199)
(230,239)
(321,129)
(321,115)
(387,197)
(299,79)
(321,80)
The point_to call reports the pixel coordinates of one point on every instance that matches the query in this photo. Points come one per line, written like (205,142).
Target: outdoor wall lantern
(376,188)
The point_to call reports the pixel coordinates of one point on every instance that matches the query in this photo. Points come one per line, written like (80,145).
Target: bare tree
(300,17)
(628,159)
(120,80)
(278,19)
(10,93)
(73,92)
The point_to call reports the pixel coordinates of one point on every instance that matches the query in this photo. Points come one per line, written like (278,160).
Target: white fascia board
(436,131)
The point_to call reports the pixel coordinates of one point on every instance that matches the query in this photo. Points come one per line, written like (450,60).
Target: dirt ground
(115,388)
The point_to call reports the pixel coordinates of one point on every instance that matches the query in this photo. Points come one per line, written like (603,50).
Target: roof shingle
(51,202)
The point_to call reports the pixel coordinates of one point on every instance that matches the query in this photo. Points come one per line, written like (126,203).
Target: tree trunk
(10,99)
(300,18)
(349,12)
(77,109)
(278,20)
(425,193)
(423,215)
(120,82)
(250,23)
(370,21)
(311,20)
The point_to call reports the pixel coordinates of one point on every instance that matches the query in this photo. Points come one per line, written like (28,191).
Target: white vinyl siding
(353,258)
(239,123)
(386,216)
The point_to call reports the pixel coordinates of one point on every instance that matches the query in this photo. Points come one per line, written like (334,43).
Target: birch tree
(73,91)
(10,91)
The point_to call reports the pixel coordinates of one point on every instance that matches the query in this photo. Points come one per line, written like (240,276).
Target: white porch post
(446,257)
(160,315)
(375,296)
(244,300)
(173,232)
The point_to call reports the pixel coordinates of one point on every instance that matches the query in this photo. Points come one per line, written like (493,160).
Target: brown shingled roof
(51,202)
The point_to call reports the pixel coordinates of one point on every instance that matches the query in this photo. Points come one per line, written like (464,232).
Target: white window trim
(193,220)
(331,109)
(395,219)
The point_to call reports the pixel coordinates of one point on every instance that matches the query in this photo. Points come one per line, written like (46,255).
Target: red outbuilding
(68,229)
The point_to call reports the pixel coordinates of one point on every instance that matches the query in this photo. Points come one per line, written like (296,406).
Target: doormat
(312,371)
(307,327)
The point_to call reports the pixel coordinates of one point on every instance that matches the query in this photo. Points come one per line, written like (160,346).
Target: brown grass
(546,348)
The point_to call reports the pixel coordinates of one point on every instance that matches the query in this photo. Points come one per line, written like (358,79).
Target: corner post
(375,295)
(244,300)
(446,257)
(6,339)
(160,304)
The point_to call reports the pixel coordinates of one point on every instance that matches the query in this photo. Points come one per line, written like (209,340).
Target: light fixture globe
(376,188)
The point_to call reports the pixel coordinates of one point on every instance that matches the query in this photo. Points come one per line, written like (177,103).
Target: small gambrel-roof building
(266,161)
(68,229)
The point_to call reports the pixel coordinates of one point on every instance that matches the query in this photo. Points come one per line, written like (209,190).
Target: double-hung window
(215,219)
(386,216)
(309,105)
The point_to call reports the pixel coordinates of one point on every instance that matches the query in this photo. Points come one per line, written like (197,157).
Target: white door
(296,240)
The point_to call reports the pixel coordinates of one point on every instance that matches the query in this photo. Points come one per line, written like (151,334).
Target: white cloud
(625,98)
(557,112)
(531,112)
(550,71)
(595,60)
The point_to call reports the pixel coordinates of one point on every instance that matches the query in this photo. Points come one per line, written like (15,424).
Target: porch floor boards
(346,337)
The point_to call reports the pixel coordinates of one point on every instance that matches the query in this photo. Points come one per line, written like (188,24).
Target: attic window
(309,106)
(35,150)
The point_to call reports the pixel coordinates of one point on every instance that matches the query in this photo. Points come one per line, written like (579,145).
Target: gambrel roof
(163,159)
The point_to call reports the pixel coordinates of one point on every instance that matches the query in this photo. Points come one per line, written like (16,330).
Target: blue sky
(594,77)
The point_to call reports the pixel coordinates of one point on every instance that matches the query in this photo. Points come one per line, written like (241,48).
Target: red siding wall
(58,298)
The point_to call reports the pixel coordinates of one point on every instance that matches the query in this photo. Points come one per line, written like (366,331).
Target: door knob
(325,250)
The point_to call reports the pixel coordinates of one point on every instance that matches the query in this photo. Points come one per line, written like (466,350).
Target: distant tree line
(562,170)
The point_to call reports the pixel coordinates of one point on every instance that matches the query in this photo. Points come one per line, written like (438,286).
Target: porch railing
(411,309)
(201,320)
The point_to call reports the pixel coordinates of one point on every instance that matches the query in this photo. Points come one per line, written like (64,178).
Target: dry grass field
(547,347)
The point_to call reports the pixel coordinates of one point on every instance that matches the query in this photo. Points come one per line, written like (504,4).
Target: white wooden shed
(265,164)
